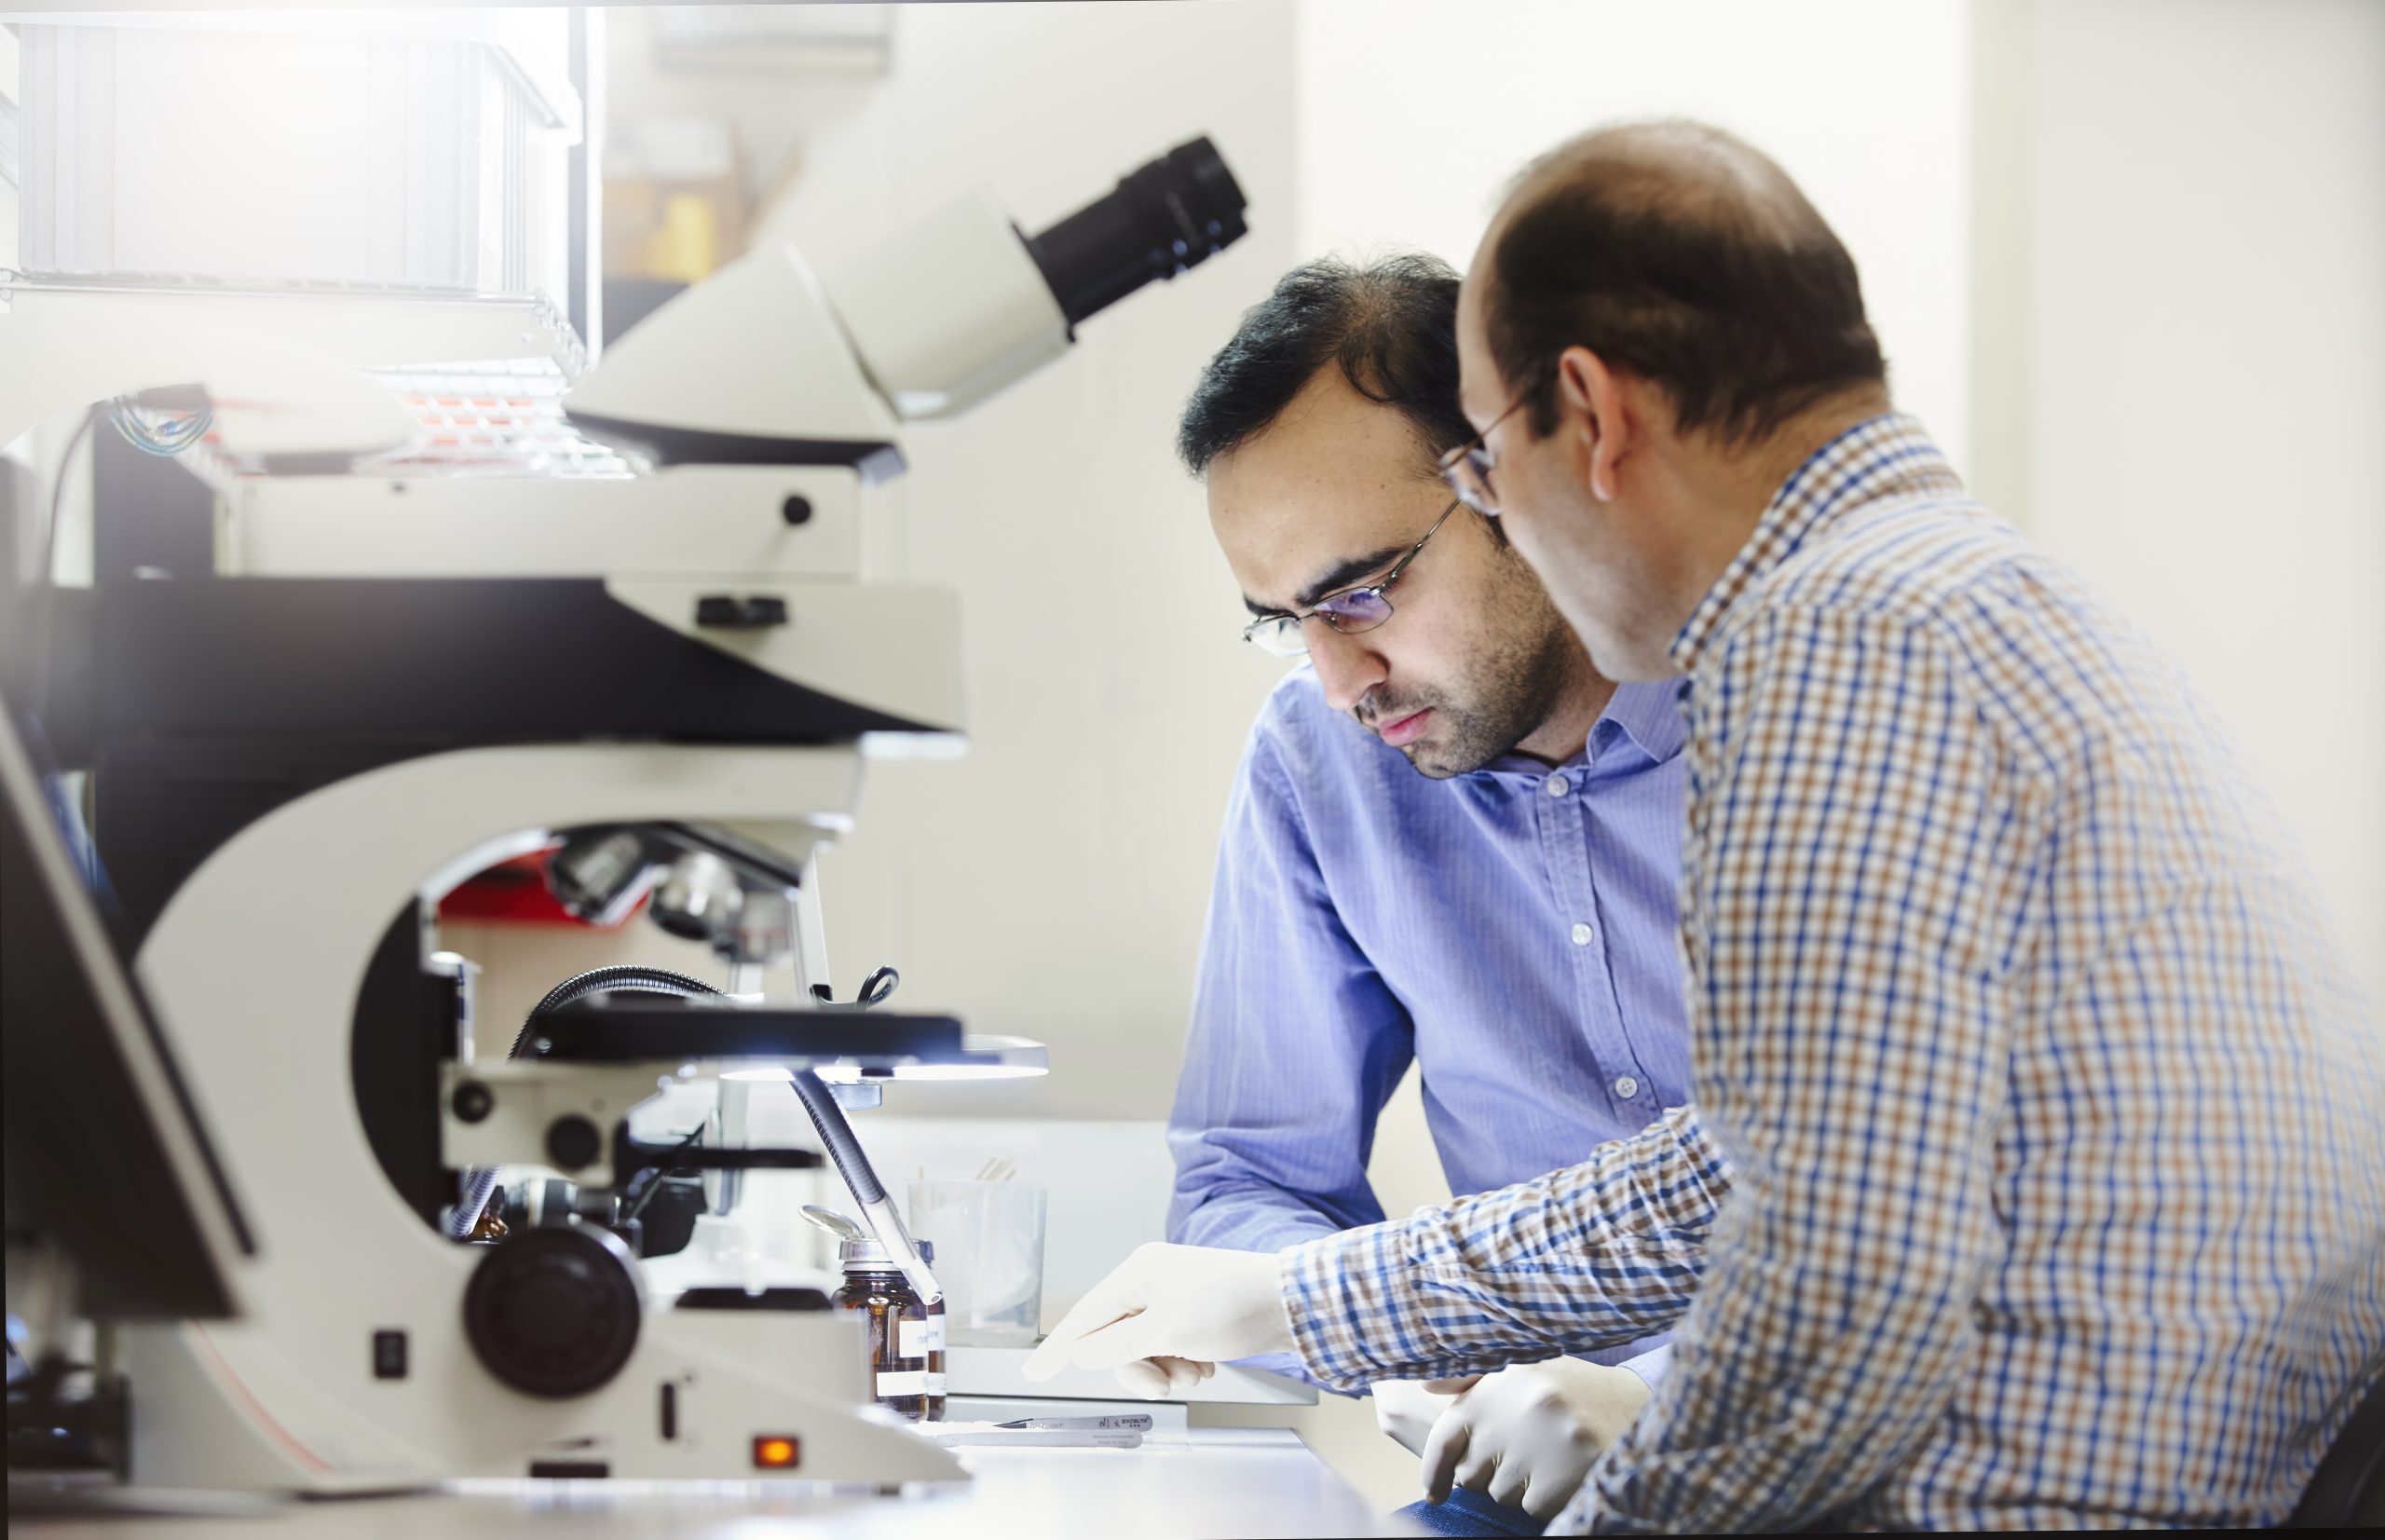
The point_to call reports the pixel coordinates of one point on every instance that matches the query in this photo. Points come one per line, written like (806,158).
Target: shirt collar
(1883,456)
(1643,713)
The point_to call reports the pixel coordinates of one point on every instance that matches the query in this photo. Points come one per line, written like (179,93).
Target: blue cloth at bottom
(1471,1514)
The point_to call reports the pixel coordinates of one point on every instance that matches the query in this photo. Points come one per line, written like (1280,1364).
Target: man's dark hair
(1684,255)
(1390,326)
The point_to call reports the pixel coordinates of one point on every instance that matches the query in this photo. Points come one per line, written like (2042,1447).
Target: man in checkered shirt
(2037,1171)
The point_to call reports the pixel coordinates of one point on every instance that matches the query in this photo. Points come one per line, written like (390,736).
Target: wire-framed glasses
(1350,611)
(1467,468)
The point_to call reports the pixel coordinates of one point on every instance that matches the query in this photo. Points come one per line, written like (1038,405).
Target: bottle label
(918,1338)
(935,1384)
(907,1381)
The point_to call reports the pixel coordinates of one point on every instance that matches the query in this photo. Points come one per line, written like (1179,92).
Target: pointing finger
(1444,1447)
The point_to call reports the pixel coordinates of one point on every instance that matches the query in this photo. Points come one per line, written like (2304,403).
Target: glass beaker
(990,1257)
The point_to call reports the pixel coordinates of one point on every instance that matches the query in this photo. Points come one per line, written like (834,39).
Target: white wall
(1053,882)
(1414,114)
(2207,361)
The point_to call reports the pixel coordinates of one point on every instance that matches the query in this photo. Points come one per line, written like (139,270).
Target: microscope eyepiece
(1173,213)
(929,322)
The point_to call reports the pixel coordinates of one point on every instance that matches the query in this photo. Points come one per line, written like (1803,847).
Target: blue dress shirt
(1511,931)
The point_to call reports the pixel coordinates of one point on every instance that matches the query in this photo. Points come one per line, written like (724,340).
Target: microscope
(672,681)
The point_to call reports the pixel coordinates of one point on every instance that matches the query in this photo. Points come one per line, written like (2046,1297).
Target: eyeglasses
(1350,611)
(1467,468)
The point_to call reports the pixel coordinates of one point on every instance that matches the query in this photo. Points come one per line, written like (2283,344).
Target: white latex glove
(1405,1410)
(1168,1315)
(1528,1435)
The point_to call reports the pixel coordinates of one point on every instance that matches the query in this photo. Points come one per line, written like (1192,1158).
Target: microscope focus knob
(554,1311)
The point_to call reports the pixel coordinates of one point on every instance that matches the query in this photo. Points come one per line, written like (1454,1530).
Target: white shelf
(368,327)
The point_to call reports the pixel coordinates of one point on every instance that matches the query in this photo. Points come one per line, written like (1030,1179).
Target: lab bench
(1181,1482)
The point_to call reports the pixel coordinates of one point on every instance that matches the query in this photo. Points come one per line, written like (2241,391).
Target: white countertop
(1190,1483)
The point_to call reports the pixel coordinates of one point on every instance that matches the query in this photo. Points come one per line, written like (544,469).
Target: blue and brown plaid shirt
(2037,1171)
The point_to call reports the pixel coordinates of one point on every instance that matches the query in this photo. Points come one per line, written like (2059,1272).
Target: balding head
(1683,255)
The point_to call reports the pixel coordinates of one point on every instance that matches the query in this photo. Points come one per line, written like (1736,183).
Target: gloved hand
(1528,1435)
(1168,1315)
(1406,1412)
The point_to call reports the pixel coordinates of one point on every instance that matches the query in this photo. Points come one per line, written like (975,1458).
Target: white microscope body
(395,683)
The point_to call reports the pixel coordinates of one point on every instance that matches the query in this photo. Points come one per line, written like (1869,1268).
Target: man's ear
(1591,405)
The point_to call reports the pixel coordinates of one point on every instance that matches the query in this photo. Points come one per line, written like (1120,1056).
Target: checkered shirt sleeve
(1600,1253)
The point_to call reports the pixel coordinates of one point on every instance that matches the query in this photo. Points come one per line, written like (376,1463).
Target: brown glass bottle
(876,1288)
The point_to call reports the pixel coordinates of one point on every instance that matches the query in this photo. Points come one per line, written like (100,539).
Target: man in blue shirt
(1451,842)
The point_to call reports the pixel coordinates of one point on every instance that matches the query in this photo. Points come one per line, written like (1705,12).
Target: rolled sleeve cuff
(1335,1290)
(1651,1366)
(1602,1254)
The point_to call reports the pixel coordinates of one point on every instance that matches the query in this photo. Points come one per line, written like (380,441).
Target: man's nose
(1346,666)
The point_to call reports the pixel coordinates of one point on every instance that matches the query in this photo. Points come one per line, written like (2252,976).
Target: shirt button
(1559,786)
(1627,1088)
(1581,935)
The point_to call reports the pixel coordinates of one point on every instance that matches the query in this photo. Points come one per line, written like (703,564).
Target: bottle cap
(863,1255)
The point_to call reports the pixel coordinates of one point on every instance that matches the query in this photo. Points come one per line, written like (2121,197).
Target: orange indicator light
(772,1453)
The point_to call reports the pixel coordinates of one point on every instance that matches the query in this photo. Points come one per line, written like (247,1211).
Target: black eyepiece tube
(1174,213)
